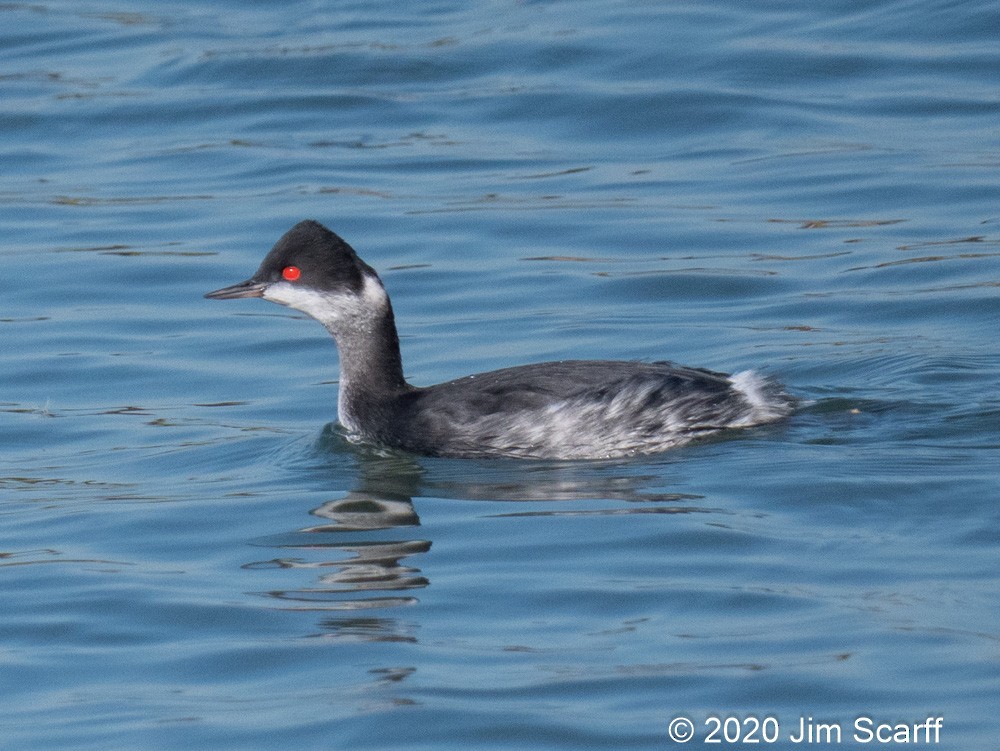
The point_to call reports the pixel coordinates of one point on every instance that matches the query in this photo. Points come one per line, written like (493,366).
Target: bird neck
(371,367)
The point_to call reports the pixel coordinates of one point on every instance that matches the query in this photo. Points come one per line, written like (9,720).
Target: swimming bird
(572,409)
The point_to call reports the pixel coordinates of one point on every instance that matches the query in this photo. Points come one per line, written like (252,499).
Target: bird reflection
(361,552)
(363,510)
(357,554)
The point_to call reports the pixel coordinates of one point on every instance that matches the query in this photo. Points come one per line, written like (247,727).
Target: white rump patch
(766,399)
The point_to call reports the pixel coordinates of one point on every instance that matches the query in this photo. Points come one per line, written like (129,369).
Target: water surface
(193,557)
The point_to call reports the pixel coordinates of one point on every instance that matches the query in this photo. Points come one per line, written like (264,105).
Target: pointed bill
(249,288)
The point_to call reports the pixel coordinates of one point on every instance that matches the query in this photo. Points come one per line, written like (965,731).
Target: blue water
(191,556)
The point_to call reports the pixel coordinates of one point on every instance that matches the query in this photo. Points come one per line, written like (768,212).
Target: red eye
(291,273)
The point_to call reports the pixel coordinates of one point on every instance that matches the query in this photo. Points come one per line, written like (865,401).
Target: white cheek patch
(319,305)
(335,310)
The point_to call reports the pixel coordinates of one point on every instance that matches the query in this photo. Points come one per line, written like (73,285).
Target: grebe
(574,409)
